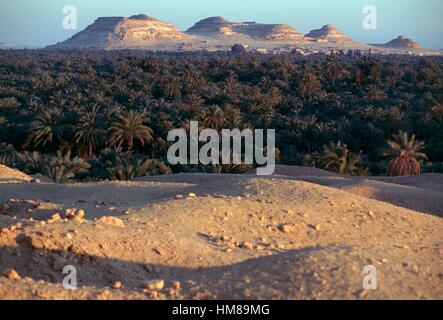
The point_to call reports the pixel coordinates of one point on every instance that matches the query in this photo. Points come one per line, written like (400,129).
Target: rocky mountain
(212,34)
(328,34)
(120,32)
(220,27)
(403,42)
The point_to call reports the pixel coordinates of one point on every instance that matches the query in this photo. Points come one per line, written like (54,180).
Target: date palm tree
(89,129)
(405,151)
(46,128)
(332,68)
(338,158)
(129,128)
(309,85)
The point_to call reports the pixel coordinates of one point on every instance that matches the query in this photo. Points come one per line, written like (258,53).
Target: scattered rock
(246,245)
(11,274)
(80,214)
(155,285)
(286,228)
(69,236)
(192,195)
(176,285)
(117,285)
(158,251)
(74,214)
(246,279)
(55,218)
(112,221)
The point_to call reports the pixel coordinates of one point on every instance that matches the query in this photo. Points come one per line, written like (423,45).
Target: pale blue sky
(39,22)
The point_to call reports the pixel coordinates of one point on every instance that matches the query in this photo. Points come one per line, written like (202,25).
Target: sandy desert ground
(301,234)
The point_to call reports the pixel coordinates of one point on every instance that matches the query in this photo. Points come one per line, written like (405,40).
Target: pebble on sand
(179,197)
(192,195)
(155,284)
(74,214)
(11,274)
(55,218)
(176,285)
(112,221)
(117,285)
(286,228)
(246,245)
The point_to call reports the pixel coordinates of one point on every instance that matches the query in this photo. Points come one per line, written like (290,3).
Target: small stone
(158,251)
(55,218)
(246,245)
(70,213)
(316,227)
(289,211)
(192,195)
(176,285)
(179,197)
(112,221)
(117,285)
(11,274)
(80,214)
(286,228)
(155,284)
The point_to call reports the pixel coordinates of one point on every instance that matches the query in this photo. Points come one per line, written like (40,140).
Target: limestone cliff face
(403,42)
(328,34)
(220,27)
(121,32)
(144,32)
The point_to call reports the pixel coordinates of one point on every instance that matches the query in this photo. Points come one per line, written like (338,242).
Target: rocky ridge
(328,33)
(403,42)
(221,27)
(121,32)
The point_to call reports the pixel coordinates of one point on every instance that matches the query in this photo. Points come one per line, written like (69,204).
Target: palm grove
(105,115)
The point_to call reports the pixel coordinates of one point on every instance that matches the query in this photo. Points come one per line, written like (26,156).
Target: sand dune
(229,237)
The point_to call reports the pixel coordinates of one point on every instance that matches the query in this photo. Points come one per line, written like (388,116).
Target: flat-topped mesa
(220,27)
(403,42)
(120,32)
(210,27)
(328,34)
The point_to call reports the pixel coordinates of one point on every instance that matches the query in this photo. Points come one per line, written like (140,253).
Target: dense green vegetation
(106,115)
